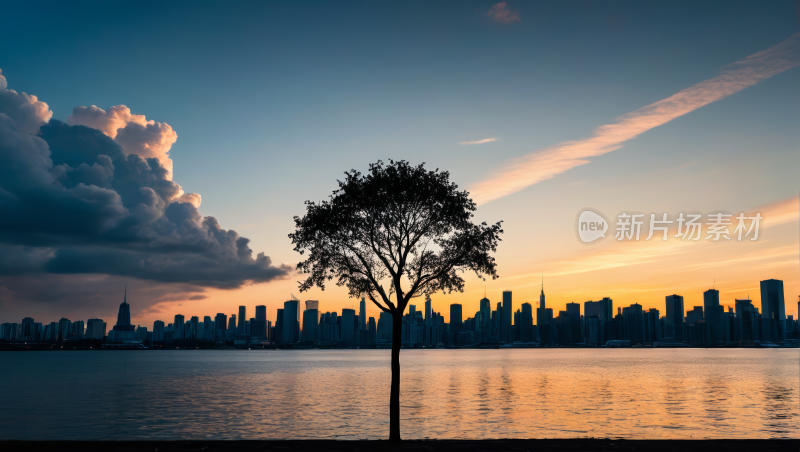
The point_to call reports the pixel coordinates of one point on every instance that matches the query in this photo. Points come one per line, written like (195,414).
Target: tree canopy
(396,232)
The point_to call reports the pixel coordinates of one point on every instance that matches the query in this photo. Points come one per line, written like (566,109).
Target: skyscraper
(591,309)
(347,327)
(194,330)
(505,329)
(633,320)
(95,329)
(427,310)
(28,329)
(526,323)
(456,319)
(123,331)
(240,329)
(483,323)
(385,327)
(220,332)
(606,309)
(291,328)
(258,328)
(675,317)
(177,326)
(64,326)
(773,314)
(712,314)
(544,318)
(310,325)
(79,330)
(158,331)
(362,314)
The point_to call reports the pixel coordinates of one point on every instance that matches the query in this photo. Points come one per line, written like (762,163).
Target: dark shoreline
(515,445)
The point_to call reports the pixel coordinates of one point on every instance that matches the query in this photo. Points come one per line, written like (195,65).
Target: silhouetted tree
(395,233)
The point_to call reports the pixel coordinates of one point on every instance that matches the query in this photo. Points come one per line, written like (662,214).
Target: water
(515,393)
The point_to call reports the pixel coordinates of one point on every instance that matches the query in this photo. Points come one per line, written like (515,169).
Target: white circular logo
(590,226)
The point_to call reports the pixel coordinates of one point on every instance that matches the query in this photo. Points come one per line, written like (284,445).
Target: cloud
(485,140)
(79,200)
(549,162)
(501,15)
(134,133)
(781,212)
(635,253)
(29,113)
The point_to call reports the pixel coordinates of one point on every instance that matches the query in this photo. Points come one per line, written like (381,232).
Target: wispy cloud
(781,212)
(549,162)
(578,183)
(500,14)
(626,254)
(485,140)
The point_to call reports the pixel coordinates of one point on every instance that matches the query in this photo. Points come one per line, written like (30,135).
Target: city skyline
(595,325)
(454,87)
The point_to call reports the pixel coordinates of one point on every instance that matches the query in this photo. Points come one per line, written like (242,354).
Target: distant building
(123,331)
(773,314)
(362,314)
(240,329)
(385,327)
(258,327)
(544,321)
(158,331)
(310,325)
(712,314)
(674,319)
(347,327)
(177,325)
(525,320)
(291,328)
(506,317)
(591,309)
(95,329)
(28,330)
(456,319)
(80,330)
(220,330)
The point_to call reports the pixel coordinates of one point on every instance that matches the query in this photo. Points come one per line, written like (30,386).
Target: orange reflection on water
(495,393)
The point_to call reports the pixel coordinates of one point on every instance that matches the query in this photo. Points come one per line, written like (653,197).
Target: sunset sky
(539,109)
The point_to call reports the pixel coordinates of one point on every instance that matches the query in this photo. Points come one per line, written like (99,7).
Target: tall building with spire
(544,318)
(541,296)
(123,331)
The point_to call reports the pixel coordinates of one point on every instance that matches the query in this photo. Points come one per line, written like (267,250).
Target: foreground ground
(537,445)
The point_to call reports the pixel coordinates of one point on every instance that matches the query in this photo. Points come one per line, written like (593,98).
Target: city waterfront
(342,394)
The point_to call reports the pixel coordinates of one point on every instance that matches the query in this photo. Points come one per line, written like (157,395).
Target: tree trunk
(394,397)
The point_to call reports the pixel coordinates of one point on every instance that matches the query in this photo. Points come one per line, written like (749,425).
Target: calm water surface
(522,393)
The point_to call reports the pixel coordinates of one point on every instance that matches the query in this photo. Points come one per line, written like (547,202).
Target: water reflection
(445,394)
(780,410)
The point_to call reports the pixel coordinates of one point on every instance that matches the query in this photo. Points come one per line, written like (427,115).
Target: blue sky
(273,101)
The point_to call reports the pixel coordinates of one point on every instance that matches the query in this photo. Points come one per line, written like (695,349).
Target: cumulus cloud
(549,162)
(500,14)
(485,140)
(134,133)
(96,196)
(28,112)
